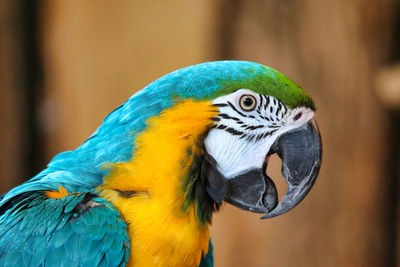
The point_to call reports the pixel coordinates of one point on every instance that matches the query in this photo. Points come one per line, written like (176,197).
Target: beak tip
(264,217)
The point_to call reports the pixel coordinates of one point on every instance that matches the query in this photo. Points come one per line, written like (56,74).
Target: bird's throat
(154,190)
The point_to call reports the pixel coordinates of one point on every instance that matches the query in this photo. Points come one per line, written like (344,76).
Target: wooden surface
(98,53)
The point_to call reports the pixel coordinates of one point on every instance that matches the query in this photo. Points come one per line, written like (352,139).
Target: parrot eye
(248,102)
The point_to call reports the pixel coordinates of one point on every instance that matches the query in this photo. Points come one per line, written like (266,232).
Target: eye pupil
(248,102)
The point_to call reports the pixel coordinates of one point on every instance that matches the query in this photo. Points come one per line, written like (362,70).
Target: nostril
(298,116)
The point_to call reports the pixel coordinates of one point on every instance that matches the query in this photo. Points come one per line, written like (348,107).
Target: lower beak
(300,151)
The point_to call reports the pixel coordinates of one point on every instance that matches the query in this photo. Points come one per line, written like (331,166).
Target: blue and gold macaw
(142,189)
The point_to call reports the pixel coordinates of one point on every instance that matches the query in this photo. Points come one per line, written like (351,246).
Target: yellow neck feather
(161,232)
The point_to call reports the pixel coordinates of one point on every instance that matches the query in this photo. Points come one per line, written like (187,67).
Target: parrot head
(260,112)
(256,112)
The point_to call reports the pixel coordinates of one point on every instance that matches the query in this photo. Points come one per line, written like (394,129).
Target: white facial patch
(241,140)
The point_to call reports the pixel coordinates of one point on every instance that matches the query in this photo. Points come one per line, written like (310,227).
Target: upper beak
(300,151)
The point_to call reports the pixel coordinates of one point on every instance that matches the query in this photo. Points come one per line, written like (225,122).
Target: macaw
(142,189)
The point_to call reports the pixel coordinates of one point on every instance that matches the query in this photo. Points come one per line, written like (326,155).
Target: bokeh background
(64,65)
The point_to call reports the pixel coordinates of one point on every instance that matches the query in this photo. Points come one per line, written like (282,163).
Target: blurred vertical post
(19,78)
(388,90)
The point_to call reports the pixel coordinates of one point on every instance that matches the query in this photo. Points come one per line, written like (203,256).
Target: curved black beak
(301,154)
(300,151)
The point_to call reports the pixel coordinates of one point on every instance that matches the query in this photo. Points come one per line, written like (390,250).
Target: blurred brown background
(65,64)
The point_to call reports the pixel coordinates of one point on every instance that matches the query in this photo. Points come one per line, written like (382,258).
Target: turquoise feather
(53,236)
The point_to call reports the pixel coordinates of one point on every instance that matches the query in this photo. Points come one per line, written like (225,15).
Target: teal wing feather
(77,230)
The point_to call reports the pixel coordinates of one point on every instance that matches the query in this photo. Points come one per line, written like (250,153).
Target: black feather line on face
(277,110)
(285,110)
(280,106)
(252,128)
(250,138)
(233,131)
(266,134)
(260,105)
(265,118)
(225,116)
(272,132)
(237,111)
(243,136)
(267,102)
(259,137)
(220,105)
(273,126)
